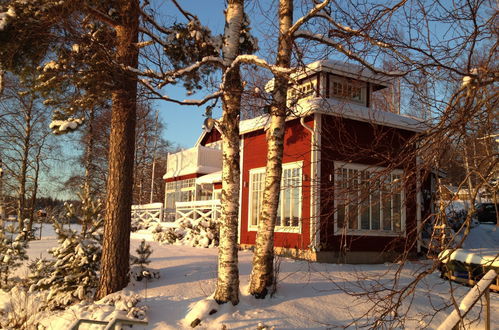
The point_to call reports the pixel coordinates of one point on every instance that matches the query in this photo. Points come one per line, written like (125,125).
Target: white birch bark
(262,272)
(228,272)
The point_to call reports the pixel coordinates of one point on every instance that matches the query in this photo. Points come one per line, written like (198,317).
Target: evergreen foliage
(72,275)
(12,253)
(144,251)
(141,271)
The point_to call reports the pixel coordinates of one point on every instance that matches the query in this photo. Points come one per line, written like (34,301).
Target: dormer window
(306,88)
(348,89)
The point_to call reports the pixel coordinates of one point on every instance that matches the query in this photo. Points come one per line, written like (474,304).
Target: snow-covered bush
(19,309)
(197,233)
(126,302)
(143,224)
(12,253)
(72,275)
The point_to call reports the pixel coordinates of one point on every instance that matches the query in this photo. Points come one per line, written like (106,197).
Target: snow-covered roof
(343,69)
(359,112)
(210,178)
(253,124)
(342,109)
(350,70)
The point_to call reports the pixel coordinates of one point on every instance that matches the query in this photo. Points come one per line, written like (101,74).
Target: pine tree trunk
(263,258)
(228,271)
(116,244)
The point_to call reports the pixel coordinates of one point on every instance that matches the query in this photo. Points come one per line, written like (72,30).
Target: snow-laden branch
(312,13)
(150,74)
(143,44)
(340,48)
(255,60)
(205,60)
(170,76)
(160,96)
(147,84)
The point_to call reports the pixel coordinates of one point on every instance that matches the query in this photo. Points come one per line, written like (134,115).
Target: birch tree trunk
(88,161)
(116,245)
(36,176)
(23,175)
(262,272)
(228,271)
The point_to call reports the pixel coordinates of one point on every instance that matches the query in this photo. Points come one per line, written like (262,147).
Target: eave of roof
(341,109)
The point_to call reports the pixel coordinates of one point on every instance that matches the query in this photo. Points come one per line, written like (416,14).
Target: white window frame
(345,82)
(217,192)
(369,232)
(304,90)
(279,229)
(179,187)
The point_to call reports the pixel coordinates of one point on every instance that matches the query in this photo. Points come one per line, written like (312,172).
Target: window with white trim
(180,191)
(368,199)
(304,89)
(290,201)
(348,89)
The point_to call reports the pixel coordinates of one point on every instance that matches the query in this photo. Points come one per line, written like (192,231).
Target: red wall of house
(297,141)
(364,143)
(210,137)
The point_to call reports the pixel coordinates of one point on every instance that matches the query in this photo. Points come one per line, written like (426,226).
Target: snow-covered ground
(309,296)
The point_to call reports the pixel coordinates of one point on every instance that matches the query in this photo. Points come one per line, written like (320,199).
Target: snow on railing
(198,210)
(480,289)
(147,212)
(115,323)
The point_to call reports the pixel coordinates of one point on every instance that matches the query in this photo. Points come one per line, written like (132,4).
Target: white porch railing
(481,288)
(198,210)
(147,212)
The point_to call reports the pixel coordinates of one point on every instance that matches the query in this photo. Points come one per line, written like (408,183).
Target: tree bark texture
(21,202)
(228,272)
(116,245)
(36,175)
(263,258)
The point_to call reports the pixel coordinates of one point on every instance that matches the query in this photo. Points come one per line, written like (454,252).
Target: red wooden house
(349,188)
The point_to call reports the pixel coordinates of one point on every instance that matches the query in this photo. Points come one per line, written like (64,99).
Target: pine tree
(144,251)
(12,253)
(73,274)
(95,50)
